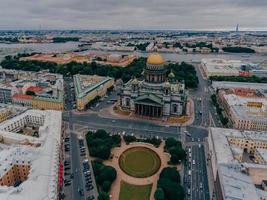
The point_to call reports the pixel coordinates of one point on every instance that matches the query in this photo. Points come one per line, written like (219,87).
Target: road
(78,180)
(197,133)
(196,184)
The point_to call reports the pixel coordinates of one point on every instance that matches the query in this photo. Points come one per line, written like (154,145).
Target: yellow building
(88,88)
(48,103)
(4,114)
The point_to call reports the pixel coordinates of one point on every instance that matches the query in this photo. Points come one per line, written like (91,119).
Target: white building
(235,174)
(34,158)
(220,67)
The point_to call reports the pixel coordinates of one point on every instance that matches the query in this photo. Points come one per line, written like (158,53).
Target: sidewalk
(109,113)
(209,171)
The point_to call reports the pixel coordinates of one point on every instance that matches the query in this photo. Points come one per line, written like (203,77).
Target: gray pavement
(192,135)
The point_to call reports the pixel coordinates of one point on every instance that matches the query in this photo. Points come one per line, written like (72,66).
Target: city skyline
(134,15)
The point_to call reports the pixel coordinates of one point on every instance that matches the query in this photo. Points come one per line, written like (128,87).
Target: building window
(174,108)
(127,102)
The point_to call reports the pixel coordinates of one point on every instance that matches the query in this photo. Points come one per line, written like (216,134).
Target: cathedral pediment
(149,99)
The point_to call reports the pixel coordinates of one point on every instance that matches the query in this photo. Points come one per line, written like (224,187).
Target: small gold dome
(171,75)
(155,59)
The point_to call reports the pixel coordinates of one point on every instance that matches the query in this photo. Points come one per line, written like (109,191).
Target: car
(67,184)
(188,191)
(66,164)
(81,191)
(92,197)
(189,172)
(88,181)
(67,181)
(66,173)
(201,186)
(193,162)
(66,161)
(82,154)
(85,161)
(91,187)
(67,168)
(67,149)
(88,175)
(72,175)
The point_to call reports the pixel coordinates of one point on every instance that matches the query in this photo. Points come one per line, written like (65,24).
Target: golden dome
(155,59)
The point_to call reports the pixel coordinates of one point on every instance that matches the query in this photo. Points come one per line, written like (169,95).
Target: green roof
(81,93)
(58,99)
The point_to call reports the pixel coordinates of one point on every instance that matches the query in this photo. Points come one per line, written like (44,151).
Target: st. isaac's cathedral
(158,95)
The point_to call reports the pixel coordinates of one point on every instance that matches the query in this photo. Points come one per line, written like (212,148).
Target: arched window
(166,91)
(127,102)
(174,108)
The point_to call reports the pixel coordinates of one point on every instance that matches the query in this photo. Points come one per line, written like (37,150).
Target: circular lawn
(139,162)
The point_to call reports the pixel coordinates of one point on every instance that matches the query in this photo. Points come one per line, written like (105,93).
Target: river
(11,49)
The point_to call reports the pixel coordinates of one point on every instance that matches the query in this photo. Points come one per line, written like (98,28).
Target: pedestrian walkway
(116,152)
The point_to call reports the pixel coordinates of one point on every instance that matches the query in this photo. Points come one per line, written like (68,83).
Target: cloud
(132,14)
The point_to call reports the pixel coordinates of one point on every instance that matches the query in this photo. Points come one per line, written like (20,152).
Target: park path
(121,176)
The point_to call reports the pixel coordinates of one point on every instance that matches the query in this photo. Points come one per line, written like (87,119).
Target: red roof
(35,88)
(22,96)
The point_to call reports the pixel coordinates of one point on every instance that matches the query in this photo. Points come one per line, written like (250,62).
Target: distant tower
(236,28)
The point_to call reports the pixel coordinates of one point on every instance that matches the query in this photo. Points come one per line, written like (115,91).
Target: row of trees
(238,50)
(186,72)
(105,176)
(249,79)
(219,110)
(100,143)
(175,149)
(182,71)
(168,186)
(153,140)
(65,39)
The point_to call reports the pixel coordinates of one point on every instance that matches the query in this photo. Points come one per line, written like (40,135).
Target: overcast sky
(133,14)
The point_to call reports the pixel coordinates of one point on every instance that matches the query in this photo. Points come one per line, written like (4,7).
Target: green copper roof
(80,93)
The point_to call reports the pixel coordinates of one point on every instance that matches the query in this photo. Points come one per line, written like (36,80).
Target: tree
(159,194)
(103,196)
(100,143)
(224,120)
(178,151)
(129,138)
(116,139)
(172,190)
(106,186)
(238,49)
(170,173)
(170,142)
(31,93)
(100,134)
(107,174)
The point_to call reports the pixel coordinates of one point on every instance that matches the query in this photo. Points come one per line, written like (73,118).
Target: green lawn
(134,192)
(139,162)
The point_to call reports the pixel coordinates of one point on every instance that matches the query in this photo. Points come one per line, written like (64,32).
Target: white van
(189,173)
